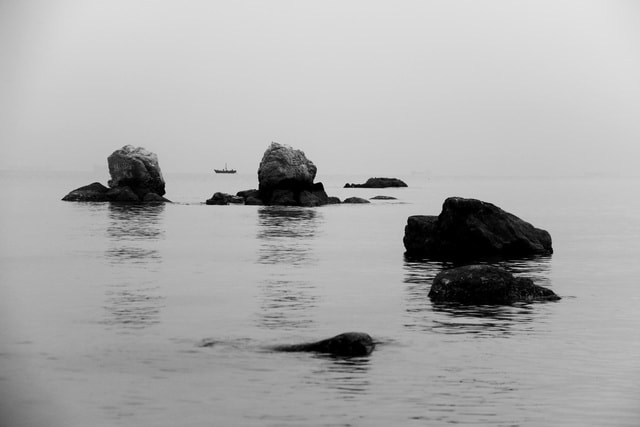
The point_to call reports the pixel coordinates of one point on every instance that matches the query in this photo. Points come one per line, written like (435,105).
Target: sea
(167,315)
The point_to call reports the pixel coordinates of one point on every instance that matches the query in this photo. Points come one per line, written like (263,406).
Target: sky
(444,87)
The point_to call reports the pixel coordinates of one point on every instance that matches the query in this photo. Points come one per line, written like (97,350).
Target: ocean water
(116,315)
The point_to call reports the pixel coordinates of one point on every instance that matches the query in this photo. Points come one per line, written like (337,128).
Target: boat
(225,170)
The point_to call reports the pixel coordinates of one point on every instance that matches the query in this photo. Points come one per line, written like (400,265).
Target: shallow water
(105,309)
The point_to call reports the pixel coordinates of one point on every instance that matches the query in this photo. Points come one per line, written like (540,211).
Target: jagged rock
(138,168)
(378,183)
(470,228)
(348,344)
(484,284)
(356,200)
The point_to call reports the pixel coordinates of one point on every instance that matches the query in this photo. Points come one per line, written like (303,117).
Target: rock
(136,168)
(470,228)
(94,192)
(378,183)
(250,197)
(348,344)
(484,284)
(285,177)
(135,177)
(333,200)
(383,198)
(284,167)
(355,200)
(224,199)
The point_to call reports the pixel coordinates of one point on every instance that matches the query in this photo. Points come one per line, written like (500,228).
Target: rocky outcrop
(378,183)
(485,284)
(135,177)
(285,177)
(348,344)
(469,229)
(137,168)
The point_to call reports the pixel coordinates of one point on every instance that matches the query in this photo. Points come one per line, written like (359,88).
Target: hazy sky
(372,87)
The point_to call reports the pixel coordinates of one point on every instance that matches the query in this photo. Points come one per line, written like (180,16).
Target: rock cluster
(485,284)
(378,183)
(470,228)
(135,177)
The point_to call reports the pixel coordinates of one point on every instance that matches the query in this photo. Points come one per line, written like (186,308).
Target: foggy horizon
(375,88)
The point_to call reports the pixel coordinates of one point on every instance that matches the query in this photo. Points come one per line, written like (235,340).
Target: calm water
(104,310)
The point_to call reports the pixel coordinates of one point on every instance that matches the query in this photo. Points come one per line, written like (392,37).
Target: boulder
(470,228)
(348,344)
(135,177)
(378,183)
(94,192)
(355,200)
(137,168)
(285,177)
(485,284)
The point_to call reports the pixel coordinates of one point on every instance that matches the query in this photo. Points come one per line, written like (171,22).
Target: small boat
(225,170)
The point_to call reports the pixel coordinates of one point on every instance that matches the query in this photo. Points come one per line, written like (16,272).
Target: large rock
(135,177)
(378,183)
(470,228)
(137,168)
(484,284)
(285,177)
(348,344)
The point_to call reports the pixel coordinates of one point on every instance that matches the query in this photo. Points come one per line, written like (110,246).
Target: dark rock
(251,197)
(285,177)
(333,200)
(470,228)
(355,200)
(122,194)
(378,183)
(224,199)
(383,198)
(94,192)
(484,284)
(137,168)
(348,344)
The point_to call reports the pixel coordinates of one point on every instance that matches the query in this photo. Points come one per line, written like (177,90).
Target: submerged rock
(484,284)
(94,192)
(356,200)
(379,183)
(470,228)
(348,344)
(224,199)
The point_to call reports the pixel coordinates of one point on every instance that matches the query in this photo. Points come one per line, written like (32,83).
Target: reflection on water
(286,236)
(286,304)
(455,318)
(132,297)
(349,377)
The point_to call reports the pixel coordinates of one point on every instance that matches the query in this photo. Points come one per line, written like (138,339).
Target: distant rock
(356,200)
(224,199)
(484,284)
(348,344)
(285,177)
(378,183)
(135,177)
(383,198)
(470,228)
(137,168)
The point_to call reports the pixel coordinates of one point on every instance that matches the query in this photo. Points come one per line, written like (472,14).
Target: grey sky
(371,87)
